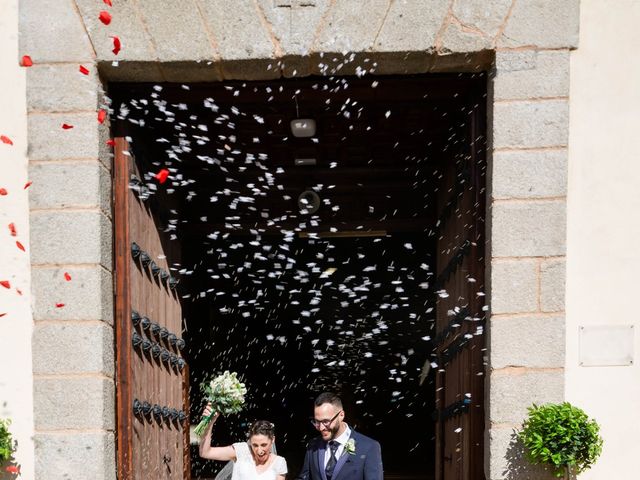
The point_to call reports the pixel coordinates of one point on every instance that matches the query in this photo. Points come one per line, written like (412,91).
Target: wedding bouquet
(226,395)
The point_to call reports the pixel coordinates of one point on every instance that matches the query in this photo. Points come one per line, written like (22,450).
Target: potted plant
(561,436)
(7,444)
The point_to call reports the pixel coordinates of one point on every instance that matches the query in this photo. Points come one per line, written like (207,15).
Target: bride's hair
(262,427)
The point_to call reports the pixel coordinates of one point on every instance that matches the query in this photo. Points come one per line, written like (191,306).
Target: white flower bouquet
(226,395)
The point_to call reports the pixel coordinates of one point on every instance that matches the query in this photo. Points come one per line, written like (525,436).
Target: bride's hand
(208,410)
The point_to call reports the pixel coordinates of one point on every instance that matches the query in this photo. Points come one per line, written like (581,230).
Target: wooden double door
(152,373)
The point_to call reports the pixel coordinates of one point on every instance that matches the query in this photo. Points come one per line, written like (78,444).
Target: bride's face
(261,446)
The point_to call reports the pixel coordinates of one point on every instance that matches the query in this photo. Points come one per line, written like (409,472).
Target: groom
(340,453)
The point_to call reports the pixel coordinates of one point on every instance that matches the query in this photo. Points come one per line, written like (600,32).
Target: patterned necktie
(331,464)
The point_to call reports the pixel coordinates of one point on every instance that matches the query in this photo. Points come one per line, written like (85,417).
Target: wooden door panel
(460,320)
(152,375)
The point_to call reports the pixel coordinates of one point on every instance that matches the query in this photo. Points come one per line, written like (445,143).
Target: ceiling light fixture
(303,127)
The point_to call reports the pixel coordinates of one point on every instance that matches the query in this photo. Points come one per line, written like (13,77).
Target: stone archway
(526,46)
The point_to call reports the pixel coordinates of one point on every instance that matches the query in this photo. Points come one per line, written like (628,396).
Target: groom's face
(329,420)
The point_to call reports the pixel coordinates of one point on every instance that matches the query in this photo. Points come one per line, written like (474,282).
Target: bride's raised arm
(214,453)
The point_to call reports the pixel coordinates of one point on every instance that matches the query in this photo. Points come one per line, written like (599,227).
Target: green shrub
(562,436)
(7,444)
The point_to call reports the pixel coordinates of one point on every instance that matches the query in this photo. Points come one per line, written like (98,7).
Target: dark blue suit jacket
(365,464)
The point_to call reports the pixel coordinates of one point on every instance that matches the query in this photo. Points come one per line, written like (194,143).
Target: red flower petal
(66,126)
(108,2)
(162,175)
(27,185)
(116,45)
(102,114)
(20,246)
(12,229)
(2,315)
(105,17)
(6,140)
(18,291)
(5,283)
(111,142)
(59,305)
(12,468)
(3,191)
(26,61)
(84,70)
(67,277)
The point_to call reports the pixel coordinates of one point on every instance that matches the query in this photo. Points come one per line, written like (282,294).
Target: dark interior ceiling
(231,154)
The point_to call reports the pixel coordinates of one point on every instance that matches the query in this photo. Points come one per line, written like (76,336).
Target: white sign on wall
(606,345)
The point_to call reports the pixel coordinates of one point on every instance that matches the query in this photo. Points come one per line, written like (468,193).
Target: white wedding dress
(244,467)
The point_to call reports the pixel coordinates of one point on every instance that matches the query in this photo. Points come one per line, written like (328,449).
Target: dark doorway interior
(297,301)
(348,331)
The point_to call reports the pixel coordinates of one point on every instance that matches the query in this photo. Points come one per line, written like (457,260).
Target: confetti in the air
(105,17)
(331,298)
(117,45)
(162,175)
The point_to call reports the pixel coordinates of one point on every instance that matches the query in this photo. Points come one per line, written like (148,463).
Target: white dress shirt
(342,439)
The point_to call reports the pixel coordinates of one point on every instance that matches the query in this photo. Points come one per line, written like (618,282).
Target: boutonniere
(350,446)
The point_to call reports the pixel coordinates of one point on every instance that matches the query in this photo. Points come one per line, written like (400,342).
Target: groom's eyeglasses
(324,423)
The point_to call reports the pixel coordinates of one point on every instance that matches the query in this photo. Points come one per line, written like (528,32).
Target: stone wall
(525,43)
(527,234)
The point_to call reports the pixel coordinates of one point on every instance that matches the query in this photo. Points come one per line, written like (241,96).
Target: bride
(254,459)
